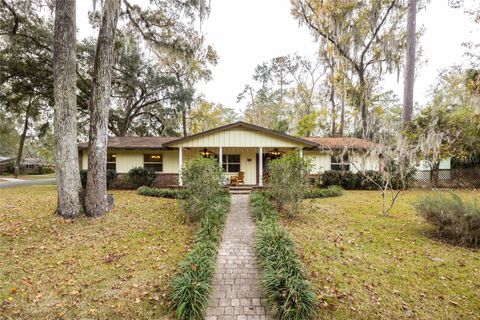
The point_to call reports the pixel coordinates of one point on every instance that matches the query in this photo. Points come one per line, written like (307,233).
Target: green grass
(114,267)
(366,266)
(191,287)
(283,278)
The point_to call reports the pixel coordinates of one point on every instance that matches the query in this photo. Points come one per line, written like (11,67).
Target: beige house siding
(365,161)
(128,159)
(320,161)
(236,138)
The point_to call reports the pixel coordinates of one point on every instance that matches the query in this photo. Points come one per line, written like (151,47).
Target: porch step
(240,190)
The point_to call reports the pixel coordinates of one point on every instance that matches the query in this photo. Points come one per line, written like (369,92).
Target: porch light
(275,152)
(206,153)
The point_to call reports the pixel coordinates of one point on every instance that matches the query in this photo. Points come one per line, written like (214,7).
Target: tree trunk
(22,140)
(96,200)
(363,106)
(69,188)
(342,117)
(334,109)
(184,120)
(409,80)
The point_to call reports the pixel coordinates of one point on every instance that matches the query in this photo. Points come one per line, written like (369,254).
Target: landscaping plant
(138,177)
(283,278)
(456,218)
(288,181)
(316,193)
(191,287)
(202,178)
(162,193)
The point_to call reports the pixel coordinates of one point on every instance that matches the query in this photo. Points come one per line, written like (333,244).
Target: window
(340,163)
(231,162)
(111,161)
(153,161)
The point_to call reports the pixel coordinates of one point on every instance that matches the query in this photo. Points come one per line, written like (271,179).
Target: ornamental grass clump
(456,218)
(203,178)
(290,293)
(190,289)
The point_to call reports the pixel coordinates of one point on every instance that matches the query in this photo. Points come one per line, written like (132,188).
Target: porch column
(180,165)
(220,156)
(260,166)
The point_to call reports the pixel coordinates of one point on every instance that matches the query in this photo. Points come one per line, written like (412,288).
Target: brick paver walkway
(236,293)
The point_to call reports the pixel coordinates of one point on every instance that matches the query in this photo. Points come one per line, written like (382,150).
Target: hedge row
(284,281)
(331,191)
(190,289)
(162,193)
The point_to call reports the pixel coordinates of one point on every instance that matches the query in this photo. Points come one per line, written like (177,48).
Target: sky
(248,32)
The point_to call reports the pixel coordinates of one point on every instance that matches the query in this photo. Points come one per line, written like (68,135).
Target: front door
(267,157)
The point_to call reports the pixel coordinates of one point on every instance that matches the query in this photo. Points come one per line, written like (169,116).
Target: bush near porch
(367,266)
(114,267)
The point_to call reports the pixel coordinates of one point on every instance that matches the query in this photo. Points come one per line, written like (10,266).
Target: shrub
(288,181)
(190,289)
(203,178)
(162,193)
(284,281)
(138,177)
(456,218)
(111,175)
(331,191)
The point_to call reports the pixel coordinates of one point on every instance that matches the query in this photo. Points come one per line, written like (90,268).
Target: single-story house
(239,147)
(27,165)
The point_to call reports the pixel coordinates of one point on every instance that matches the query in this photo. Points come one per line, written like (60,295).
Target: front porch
(252,162)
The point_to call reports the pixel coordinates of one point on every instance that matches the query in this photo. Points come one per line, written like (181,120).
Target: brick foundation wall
(164,180)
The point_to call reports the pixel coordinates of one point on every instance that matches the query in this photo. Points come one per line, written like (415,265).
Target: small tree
(289,181)
(203,179)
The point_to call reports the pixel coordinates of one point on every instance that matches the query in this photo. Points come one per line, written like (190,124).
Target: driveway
(11,182)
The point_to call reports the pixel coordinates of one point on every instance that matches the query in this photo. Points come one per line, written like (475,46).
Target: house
(239,147)
(27,165)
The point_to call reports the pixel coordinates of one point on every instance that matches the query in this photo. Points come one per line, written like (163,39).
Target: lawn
(115,267)
(366,266)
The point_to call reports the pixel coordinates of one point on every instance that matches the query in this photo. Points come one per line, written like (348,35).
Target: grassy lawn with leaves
(115,267)
(366,266)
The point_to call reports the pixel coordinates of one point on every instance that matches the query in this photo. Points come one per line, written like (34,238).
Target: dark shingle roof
(134,142)
(341,143)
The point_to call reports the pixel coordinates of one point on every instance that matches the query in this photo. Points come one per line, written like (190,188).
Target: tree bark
(409,80)
(363,106)
(342,117)
(334,109)
(22,140)
(184,120)
(96,200)
(65,115)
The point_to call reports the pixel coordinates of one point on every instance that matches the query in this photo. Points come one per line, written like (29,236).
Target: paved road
(20,182)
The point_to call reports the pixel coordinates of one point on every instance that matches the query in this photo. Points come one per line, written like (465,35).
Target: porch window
(153,161)
(340,163)
(111,161)
(231,162)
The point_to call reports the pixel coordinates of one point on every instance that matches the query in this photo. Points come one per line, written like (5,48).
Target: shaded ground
(368,266)
(114,267)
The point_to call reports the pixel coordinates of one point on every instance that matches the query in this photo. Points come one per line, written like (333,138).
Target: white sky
(248,32)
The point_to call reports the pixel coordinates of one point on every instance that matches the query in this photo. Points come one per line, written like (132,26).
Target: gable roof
(336,143)
(250,126)
(156,143)
(134,143)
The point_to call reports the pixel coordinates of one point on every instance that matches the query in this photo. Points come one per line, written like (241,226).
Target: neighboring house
(240,147)
(27,165)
